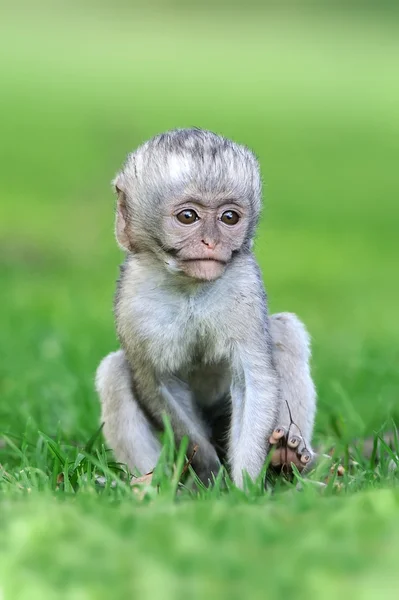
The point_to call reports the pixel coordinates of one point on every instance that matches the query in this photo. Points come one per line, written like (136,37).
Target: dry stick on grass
(189,460)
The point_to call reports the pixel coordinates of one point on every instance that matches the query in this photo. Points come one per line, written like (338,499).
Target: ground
(316,95)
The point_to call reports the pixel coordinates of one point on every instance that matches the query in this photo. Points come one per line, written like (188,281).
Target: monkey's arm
(291,354)
(255,398)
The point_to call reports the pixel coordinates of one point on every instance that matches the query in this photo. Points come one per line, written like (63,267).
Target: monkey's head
(190,197)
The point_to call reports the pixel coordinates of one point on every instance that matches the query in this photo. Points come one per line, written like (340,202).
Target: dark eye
(230,217)
(187,217)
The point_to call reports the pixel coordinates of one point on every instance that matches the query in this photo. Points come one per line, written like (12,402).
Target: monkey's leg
(291,351)
(126,428)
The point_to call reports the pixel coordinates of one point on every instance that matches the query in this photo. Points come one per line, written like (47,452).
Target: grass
(315,93)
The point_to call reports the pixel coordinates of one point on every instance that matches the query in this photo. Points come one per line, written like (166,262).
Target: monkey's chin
(203,270)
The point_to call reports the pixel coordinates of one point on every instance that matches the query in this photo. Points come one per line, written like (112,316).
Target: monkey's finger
(303,450)
(314,460)
(293,441)
(306,457)
(277,434)
(273,440)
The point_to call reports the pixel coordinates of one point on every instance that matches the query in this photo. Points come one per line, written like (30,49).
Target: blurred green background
(312,88)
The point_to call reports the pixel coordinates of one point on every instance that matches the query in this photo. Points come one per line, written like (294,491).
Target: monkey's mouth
(203,268)
(215,260)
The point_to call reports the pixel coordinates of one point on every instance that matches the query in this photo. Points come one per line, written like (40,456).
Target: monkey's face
(200,236)
(191,198)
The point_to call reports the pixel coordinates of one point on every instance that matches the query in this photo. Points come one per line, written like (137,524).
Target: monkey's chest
(185,350)
(176,338)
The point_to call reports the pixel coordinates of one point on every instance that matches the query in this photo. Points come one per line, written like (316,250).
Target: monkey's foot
(289,448)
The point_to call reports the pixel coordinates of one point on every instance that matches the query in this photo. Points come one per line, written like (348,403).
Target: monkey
(197,342)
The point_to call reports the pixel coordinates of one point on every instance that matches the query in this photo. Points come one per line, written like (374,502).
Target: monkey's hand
(289,447)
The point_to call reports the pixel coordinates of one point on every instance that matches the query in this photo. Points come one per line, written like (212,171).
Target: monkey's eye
(187,217)
(230,217)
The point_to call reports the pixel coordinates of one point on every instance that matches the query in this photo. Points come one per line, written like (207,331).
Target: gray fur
(191,311)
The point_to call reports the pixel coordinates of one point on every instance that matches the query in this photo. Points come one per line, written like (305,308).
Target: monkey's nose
(210,245)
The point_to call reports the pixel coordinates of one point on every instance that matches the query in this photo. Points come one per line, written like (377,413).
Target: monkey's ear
(121,221)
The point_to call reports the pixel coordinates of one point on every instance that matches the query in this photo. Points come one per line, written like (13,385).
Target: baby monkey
(191,313)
